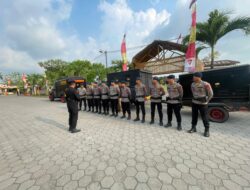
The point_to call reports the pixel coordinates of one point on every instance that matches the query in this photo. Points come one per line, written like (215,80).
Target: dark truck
(231,88)
(130,77)
(58,90)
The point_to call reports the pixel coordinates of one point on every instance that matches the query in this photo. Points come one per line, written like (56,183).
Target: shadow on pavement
(52,122)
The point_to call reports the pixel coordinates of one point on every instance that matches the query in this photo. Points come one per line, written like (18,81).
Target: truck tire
(51,98)
(218,114)
(62,99)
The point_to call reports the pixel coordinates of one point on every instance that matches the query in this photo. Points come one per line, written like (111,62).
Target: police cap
(198,74)
(156,78)
(170,77)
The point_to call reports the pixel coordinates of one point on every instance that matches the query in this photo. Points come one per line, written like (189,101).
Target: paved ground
(37,152)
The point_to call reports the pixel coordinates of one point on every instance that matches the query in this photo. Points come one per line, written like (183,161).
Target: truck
(130,77)
(231,86)
(60,85)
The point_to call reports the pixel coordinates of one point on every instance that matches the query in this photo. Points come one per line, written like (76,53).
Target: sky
(38,30)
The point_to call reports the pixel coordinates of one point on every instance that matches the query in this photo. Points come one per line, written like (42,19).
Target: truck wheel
(62,99)
(51,98)
(218,114)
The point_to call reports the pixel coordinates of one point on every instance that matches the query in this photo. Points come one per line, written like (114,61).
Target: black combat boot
(137,118)
(206,133)
(112,115)
(129,116)
(116,115)
(152,122)
(123,116)
(169,124)
(161,123)
(75,130)
(179,127)
(143,119)
(193,129)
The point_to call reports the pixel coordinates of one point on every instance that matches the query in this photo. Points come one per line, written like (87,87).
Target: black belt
(105,94)
(124,97)
(140,96)
(113,95)
(154,98)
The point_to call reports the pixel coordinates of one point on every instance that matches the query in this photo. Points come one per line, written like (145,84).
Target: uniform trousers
(203,109)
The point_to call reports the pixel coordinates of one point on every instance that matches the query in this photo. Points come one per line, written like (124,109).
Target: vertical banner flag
(24,78)
(124,54)
(191,51)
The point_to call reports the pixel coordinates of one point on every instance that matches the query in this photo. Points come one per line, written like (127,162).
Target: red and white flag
(124,54)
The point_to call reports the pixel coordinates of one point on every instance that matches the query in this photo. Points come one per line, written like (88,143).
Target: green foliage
(217,26)
(36,79)
(54,69)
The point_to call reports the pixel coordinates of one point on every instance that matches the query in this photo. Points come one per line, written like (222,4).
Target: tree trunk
(212,57)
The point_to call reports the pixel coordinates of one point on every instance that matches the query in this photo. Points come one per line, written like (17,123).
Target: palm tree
(217,26)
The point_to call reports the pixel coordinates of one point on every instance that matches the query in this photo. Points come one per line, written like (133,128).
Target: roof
(153,49)
(220,63)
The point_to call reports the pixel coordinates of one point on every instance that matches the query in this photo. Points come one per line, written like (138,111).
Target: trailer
(58,90)
(231,88)
(130,77)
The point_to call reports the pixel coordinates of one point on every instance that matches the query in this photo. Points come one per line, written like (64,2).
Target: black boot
(179,127)
(116,115)
(161,123)
(206,133)
(143,119)
(123,116)
(129,117)
(75,130)
(192,130)
(112,115)
(152,122)
(169,124)
(137,118)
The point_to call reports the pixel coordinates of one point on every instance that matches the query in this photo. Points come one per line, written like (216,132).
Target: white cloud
(181,19)
(119,18)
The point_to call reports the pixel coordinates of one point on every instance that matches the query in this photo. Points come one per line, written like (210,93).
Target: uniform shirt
(114,92)
(82,92)
(97,92)
(140,92)
(175,93)
(201,90)
(105,92)
(89,93)
(125,94)
(72,95)
(156,93)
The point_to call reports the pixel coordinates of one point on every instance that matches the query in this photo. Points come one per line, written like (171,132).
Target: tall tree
(217,26)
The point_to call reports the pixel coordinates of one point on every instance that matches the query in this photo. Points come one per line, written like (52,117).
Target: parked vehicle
(231,88)
(131,76)
(58,90)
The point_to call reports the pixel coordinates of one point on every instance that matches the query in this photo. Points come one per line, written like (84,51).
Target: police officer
(140,95)
(97,98)
(174,99)
(82,94)
(105,98)
(114,93)
(72,98)
(125,100)
(156,93)
(89,94)
(202,94)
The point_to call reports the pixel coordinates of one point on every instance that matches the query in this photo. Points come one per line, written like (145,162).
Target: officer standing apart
(174,99)
(89,94)
(72,98)
(114,93)
(105,98)
(82,94)
(140,95)
(97,98)
(156,93)
(125,100)
(202,94)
